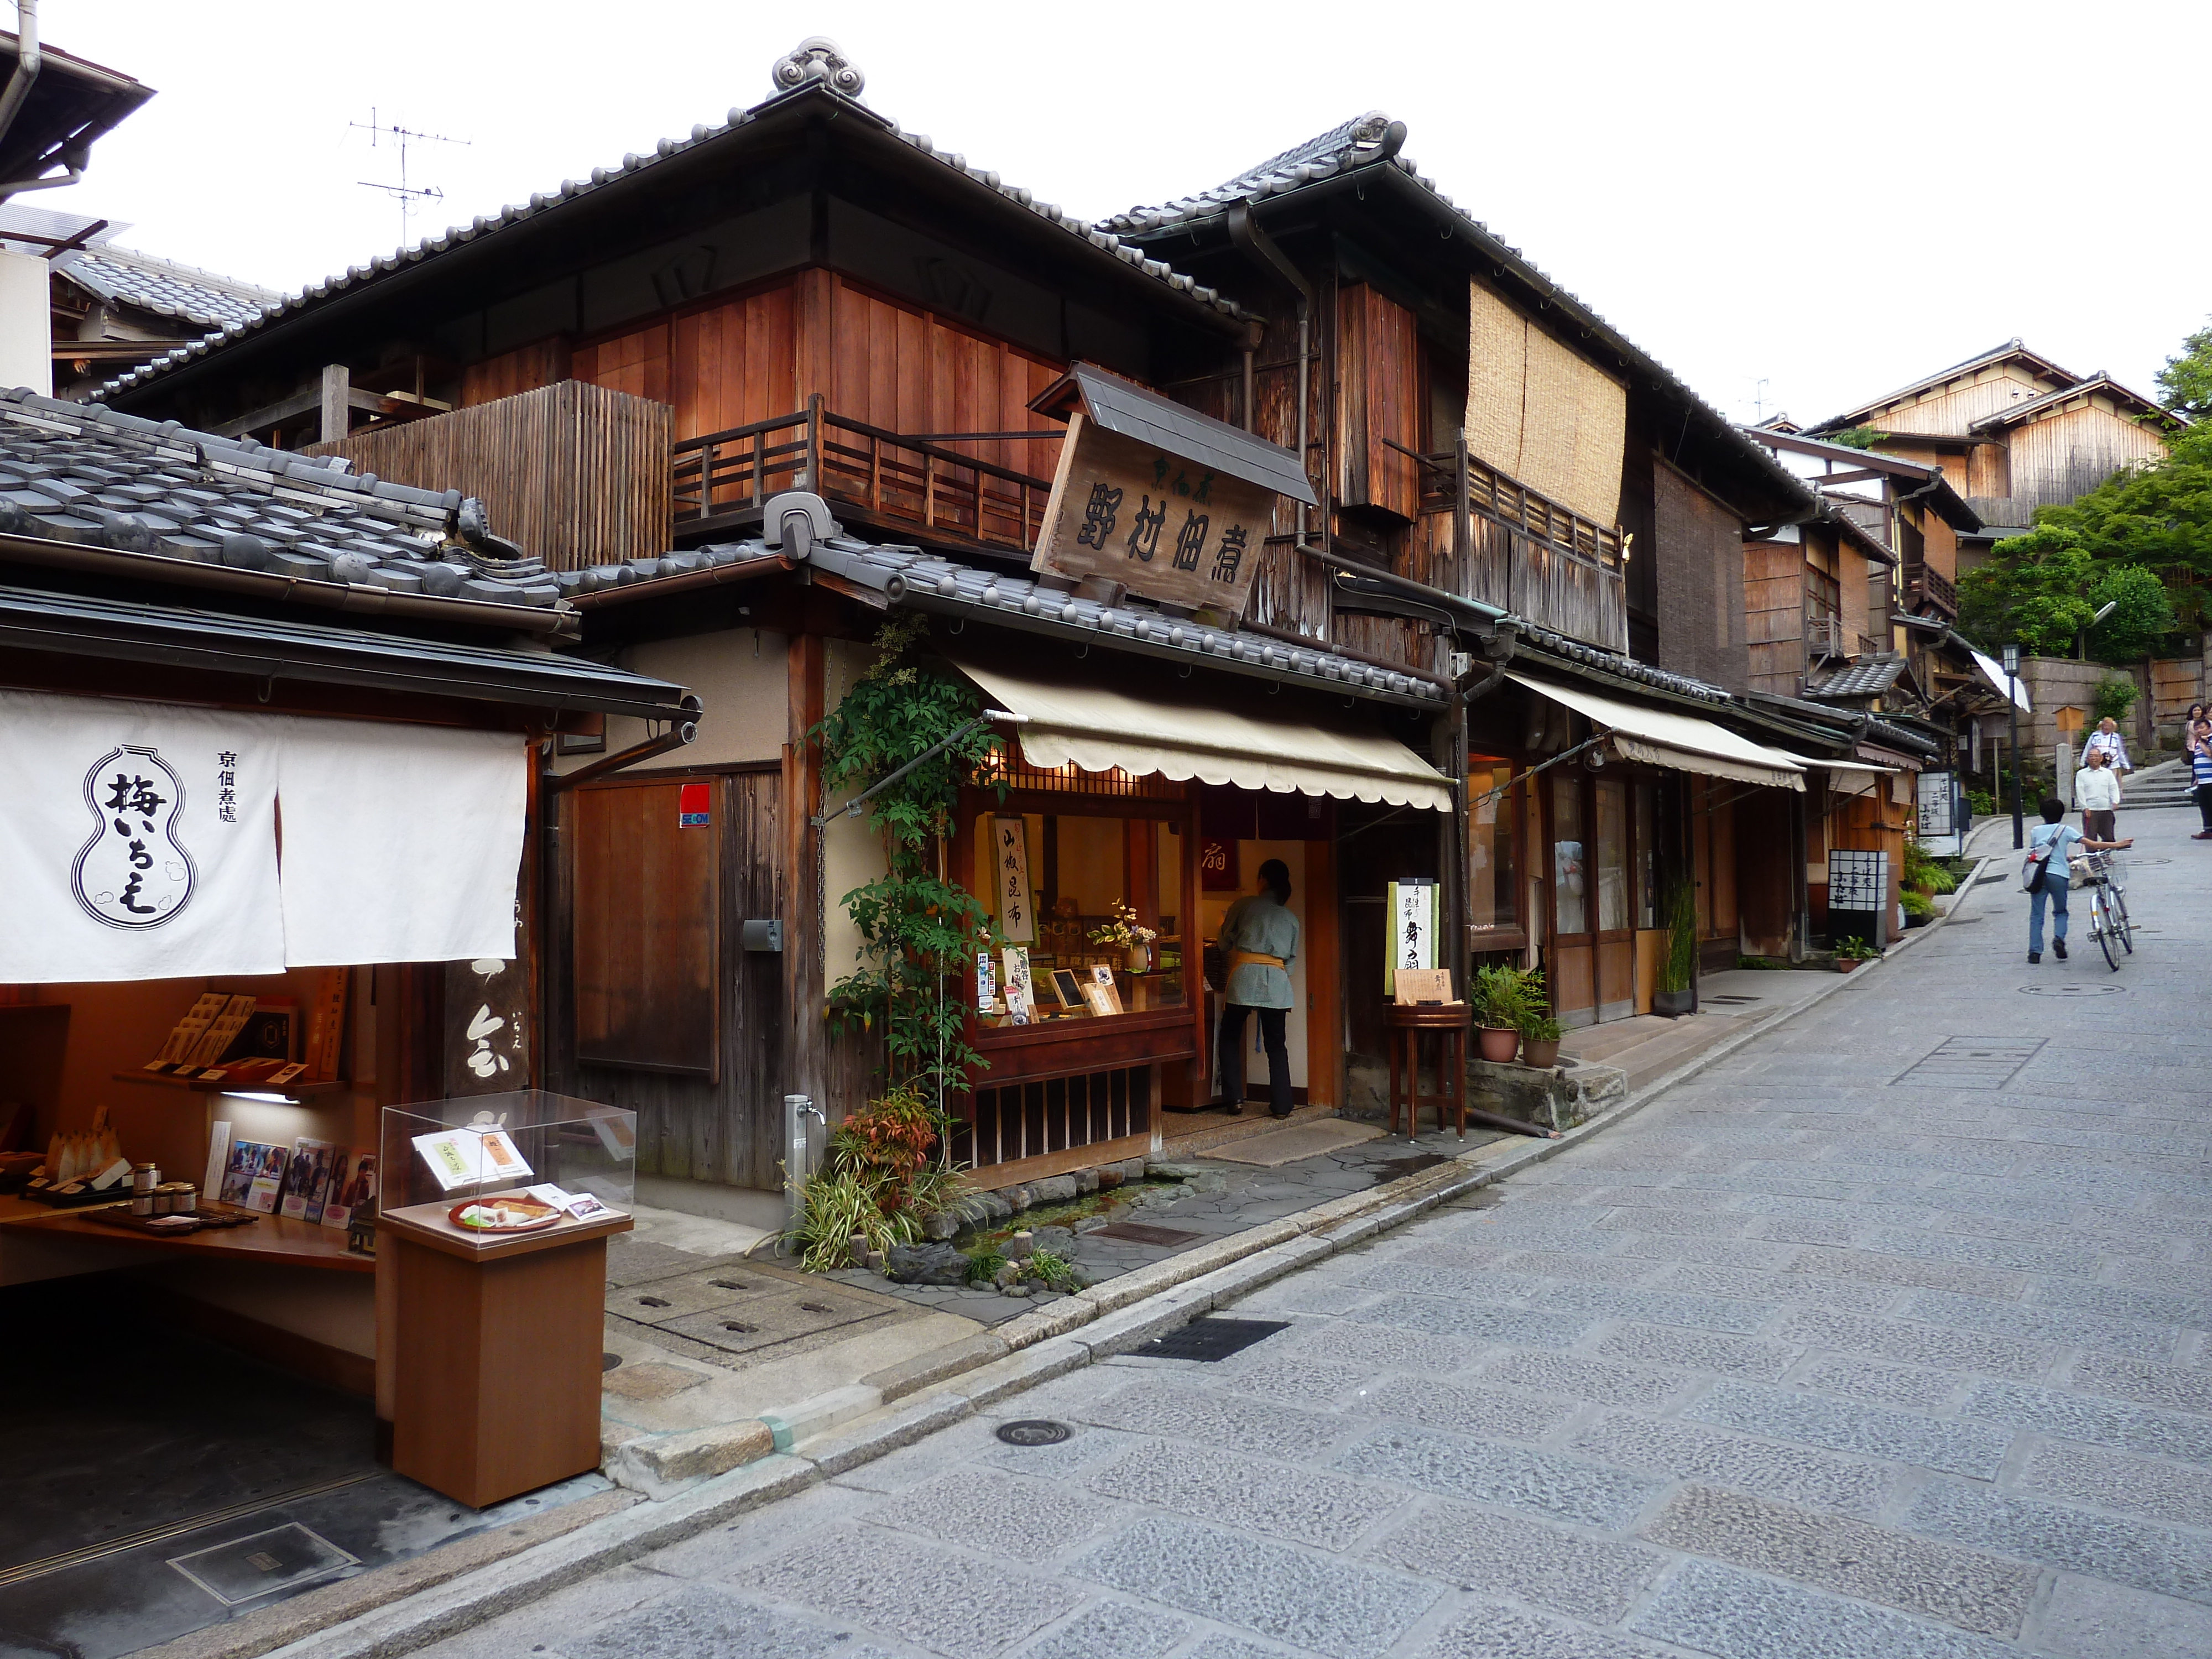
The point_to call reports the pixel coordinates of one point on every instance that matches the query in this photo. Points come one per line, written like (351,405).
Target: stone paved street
(1835,1352)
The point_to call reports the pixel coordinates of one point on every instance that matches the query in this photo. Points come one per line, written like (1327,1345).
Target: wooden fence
(573,473)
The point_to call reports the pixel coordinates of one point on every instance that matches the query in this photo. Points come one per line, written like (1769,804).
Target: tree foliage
(2157,516)
(1859,437)
(2186,379)
(2031,591)
(917,927)
(2141,618)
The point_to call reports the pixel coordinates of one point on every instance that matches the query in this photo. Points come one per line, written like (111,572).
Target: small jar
(183,1197)
(143,1203)
(145,1177)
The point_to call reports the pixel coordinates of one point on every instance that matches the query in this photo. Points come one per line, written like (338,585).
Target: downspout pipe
(28,62)
(684,730)
(1259,248)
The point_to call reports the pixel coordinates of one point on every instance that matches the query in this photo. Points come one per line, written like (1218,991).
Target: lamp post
(2012,714)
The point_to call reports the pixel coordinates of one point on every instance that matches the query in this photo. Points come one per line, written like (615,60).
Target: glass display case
(489,1170)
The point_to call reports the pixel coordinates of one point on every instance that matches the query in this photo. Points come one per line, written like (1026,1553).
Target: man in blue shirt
(2054,839)
(1260,940)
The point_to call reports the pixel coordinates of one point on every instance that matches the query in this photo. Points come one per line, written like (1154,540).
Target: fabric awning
(1993,671)
(1832,764)
(1681,741)
(1067,720)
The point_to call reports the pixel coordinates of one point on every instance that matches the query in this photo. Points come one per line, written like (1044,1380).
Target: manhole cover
(1034,1431)
(1212,1339)
(609,1361)
(261,1564)
(2072,990)
(729,1284)
(1137,1233)
(1972,1062)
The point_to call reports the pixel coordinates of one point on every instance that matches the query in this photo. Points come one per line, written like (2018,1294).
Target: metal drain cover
(1212,1339)
(2072,990)
(1139,1232)
(1034,1431)
(609,1361)
(1971,1062)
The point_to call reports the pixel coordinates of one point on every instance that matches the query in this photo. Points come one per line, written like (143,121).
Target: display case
(487,1172)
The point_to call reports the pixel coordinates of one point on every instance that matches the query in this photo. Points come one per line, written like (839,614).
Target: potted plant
(1499,999)
(1852,952)
(1676,993)
(1919,909)
(1134,939)
(1540,1040)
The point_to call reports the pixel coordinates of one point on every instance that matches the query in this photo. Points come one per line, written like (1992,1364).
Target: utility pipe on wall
(28,62)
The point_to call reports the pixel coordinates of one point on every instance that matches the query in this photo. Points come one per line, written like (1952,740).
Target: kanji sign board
(1167,528)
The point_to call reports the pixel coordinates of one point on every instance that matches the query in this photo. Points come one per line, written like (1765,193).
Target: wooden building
(1499,516)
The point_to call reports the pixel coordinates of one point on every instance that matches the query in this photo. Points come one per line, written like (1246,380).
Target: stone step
(1223,1131)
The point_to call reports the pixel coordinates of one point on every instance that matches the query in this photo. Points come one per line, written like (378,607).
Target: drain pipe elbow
(28,62)
(1500,647)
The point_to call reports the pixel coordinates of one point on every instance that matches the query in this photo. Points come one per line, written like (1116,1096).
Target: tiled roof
(929,581)
(2010,350)
(602,177)
(1612,663)
(79,473)
(1866,677)
(2034,407)
(125,276)
(1372,140)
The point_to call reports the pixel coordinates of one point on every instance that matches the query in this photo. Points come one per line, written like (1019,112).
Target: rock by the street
(1008,1275)
(939,1224)
(1060,1241)
(1163,1169)
(1086,1181)
(1052,1190)
(925,1264)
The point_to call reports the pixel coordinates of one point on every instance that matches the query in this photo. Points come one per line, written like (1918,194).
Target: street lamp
(2012,714)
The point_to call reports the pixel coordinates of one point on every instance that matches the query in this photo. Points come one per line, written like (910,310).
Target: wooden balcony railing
(1924,586)
(724,478)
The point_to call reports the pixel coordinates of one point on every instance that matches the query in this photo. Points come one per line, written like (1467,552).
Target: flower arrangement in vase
(1131,935)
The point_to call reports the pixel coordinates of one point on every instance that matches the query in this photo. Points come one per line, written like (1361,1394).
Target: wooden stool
(1406,1026)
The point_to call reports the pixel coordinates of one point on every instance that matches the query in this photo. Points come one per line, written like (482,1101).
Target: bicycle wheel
(2101,924)
(2126,928)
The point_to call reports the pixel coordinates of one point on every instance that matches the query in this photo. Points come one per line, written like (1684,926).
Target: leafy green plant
(917,928)
(1499,996)
(1535,1010)
(1980,803)
(2142,616)
(2114,698)
(1925,874)
(1859,437)
(1678,968)
(1051,1269)
(837,1208)
(983,1266)
(1915,904)
(1856,950)
(1542,1027)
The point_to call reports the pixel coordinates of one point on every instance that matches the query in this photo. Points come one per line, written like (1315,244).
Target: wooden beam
(337,402)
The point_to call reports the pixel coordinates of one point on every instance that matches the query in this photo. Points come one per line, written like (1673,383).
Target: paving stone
(1214,1419)
(1979,1252)
(1482,1550)
(1659,1307)
(1852,1558)
(1477,1321)
(2179,1387)
(1465,1410)
(1578,1378)
(1883,1269)
(1973,1313)
(1667,1446)
(1722,1252)
(1696,1223)
(2130,1485)
(1381,1346)
(2091,1420)
(1584,1269)
(2126,1302)
(1931,1442)
(1735,1615)
(1297,1505)
(1731,1356)
(700,1621)
(1333,1606)
(951,1602)
(2134,1553)
(2086,1619)
(1494,1631)
(1298,1381)
(1111,1629)
(1888,1385)
(1748,1286)
(1543,1483)
(1467,1283)
(995,1513)
(1921,1344)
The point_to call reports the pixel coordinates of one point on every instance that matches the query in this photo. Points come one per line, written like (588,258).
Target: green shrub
(1678,970)
(2115,698)
(1915,903)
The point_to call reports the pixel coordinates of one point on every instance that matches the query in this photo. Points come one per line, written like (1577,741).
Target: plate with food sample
(510,1212)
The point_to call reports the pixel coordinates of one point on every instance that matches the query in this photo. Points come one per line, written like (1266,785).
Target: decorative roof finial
(817,58)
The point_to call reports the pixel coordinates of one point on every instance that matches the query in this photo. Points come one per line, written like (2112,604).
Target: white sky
(1832,200)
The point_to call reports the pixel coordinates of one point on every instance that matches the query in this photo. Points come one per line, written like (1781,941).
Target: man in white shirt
(2107,740)
(2097,793)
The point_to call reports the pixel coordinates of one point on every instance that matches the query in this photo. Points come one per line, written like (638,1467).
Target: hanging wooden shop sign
(1167,528)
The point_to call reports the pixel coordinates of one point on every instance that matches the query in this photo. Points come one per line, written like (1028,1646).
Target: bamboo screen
(1539,412)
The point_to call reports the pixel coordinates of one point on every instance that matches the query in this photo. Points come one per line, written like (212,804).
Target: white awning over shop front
(141,841)
(1079,721)
(1680,741)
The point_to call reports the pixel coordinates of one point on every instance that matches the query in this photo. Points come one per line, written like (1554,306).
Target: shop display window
(1612,856)
(1493,858)
(486,1169)
(1086,908)
(1569,856)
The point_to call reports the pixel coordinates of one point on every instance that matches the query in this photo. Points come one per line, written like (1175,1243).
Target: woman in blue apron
(1258,942)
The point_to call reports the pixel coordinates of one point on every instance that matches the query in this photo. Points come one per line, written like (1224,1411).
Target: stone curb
(1053,1341)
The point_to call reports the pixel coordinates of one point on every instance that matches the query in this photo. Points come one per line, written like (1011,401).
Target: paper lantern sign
(1412,908)
(1216,866)
(1010,857)
(692,810)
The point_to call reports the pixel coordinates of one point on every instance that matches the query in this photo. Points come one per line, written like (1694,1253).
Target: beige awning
(1683,743)
(1077,721)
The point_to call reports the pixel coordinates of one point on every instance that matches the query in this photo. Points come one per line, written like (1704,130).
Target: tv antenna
(408,196)
(1758,400)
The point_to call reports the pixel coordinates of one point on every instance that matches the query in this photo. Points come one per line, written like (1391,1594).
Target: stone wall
(2054,684)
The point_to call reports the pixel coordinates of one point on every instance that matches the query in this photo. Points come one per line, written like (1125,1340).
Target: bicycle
(2109,924)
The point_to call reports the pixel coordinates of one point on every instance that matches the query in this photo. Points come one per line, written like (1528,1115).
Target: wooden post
(338,405)
(804,1056)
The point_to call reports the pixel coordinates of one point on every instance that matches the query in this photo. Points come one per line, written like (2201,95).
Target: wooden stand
(1406,1026)
(498,1346)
